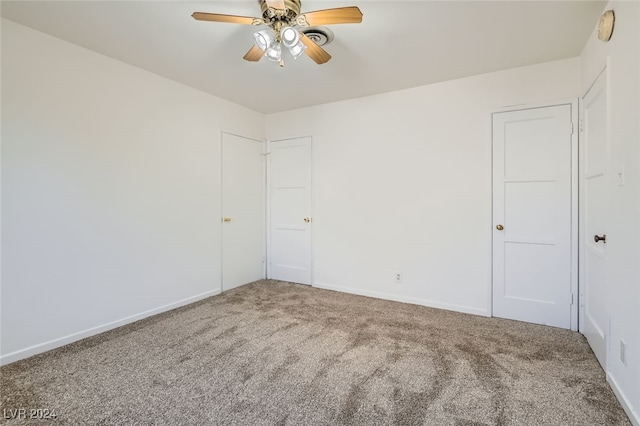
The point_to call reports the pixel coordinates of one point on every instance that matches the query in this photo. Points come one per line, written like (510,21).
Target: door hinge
(572,129)
(581,125)
(572,298)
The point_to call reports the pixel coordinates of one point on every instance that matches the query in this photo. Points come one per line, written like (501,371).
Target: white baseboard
(56,343)
(624,401)
(412,300)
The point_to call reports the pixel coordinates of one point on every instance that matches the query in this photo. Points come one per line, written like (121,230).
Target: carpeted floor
(275,353)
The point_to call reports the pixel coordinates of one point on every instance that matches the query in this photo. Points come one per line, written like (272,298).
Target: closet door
(595,154)
(532,212)
(243,211)
(291,220)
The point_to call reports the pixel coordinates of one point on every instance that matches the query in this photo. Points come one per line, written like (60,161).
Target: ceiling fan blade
(217,17)
(276,4)
(340,15)
(315,52)
(254,54)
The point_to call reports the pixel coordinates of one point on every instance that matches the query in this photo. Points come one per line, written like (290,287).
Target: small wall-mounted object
(605,25)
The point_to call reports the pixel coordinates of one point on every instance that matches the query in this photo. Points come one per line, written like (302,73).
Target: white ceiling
(399,44)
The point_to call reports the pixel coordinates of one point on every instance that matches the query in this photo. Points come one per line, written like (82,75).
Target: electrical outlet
(397,277)
(623,352)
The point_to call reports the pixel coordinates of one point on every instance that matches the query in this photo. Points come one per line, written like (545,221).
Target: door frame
(268,205)
(264,202)
(574,103)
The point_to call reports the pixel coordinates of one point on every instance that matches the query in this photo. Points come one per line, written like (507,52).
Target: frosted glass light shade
(297,49)
(290,36)
(274,52)
(264,39)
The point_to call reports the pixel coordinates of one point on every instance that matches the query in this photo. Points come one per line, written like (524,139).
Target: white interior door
(290,210)
(532,213)
(243,210)
(593,221)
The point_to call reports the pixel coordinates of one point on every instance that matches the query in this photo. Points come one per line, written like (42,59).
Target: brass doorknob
(307,219)
(597,238)
(499,227)
(227,219)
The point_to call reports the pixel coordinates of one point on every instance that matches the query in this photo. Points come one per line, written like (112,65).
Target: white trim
(604,69)
(557,102)
(404,299)
(312,263)
(575,213)
(221,199)
(574,103)
(62,341)
(624,401)
(491,224)
(253,138)
(267,209)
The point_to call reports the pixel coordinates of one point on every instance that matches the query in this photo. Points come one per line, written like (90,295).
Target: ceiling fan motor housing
(287,16)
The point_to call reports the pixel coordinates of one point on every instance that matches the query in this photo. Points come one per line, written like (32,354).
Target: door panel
(290,205)
(243,187)
(532,263)
(594,319)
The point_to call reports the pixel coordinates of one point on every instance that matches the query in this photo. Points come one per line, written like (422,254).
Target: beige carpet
(274,353)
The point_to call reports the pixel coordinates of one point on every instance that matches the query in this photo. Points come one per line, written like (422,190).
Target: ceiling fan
(284,20)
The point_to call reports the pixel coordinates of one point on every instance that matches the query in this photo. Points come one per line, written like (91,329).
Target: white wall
(622,54)
(402,182)
(110,191)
